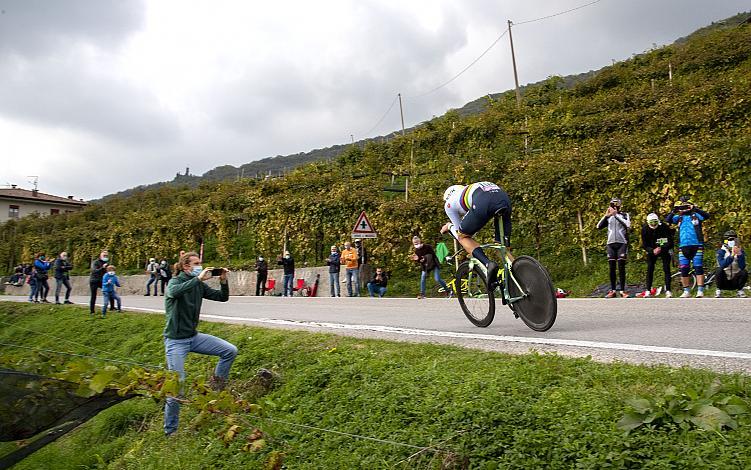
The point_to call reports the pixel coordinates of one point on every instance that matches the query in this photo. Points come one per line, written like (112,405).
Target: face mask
(112,273)
(418,245)
(196,270)
(260,258)
(105,259)
(41,257)
(286,256)
(731,243)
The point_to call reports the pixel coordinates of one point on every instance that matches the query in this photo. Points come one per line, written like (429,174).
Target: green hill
(626,131)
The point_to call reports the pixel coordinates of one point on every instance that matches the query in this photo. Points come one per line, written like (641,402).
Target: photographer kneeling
(185,293)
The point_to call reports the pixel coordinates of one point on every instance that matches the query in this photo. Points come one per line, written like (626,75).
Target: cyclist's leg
(698,261)
(684,264)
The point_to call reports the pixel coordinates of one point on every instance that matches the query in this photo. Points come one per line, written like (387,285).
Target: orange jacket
(349,258)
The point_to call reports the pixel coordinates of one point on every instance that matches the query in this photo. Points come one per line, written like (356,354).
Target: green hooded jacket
(183,301)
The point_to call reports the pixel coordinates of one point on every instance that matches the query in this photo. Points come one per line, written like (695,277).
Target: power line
(391,106)
(557,14)
(52,351)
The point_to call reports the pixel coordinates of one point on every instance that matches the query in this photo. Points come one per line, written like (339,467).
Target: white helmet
(451,190)
(652,217)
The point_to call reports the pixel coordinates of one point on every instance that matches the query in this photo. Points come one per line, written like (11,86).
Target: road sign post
(363,228)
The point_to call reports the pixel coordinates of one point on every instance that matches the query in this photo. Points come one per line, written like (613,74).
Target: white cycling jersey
(459,202)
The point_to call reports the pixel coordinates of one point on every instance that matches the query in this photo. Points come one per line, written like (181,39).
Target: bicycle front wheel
(472,292)
(539,307)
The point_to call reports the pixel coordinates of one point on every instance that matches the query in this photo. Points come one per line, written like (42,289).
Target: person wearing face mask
(657,241)
(98,268)
(334,262)
(185,294)
(350,260)
(262,274)
(288,262)
(62,277)
(425,256)
(42,267)
(731,266)
(165,274)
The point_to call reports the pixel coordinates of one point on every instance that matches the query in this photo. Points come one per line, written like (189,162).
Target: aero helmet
(451,190)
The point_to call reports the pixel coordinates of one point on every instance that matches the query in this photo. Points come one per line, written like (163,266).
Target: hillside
(627,131)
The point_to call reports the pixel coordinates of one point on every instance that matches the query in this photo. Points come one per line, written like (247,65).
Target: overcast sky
(97,96)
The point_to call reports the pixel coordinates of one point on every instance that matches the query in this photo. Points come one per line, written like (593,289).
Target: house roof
(36,196)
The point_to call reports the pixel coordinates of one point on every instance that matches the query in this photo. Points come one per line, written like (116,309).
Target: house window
(13,212)
(54,211)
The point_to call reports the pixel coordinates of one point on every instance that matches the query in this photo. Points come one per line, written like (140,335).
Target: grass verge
(487,410)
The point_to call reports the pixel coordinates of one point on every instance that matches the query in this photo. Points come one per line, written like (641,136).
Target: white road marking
(512,339)
(459,335)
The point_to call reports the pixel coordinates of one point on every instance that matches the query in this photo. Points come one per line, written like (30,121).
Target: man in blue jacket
(689,219)
(731,266)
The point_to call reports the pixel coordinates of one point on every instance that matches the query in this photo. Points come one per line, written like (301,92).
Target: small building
(16,203)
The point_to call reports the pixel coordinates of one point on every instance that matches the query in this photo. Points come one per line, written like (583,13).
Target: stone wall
(240,283)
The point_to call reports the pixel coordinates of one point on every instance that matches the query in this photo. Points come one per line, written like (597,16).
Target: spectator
(349,259)
(165,274)
(334,262)
(16,279)
(42,267)
(62,277)
(262,270)
(185,294)
(152,269)
(426,258)
(618,224)
(288,262)
(689,219)
(109,282)
(378,284)
(31,278)
(657,241)
(98,269)
(731,266)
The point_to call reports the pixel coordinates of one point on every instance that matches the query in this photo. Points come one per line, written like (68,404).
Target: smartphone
(217,271)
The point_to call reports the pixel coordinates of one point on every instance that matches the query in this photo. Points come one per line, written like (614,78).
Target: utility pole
(670,73)
(352,136)
(513,61)
(401,112)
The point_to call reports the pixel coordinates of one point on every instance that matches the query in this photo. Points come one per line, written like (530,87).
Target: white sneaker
(686,294)
(668,294)
(741,294)
(717,293)
(699,294)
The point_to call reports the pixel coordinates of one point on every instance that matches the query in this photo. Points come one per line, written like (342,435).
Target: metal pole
(513,61)
(581,237)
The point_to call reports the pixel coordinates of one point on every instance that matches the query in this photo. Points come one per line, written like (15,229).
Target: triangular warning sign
(363,227)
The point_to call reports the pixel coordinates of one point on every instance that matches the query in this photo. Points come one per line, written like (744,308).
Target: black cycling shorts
(485,204)
(617,251)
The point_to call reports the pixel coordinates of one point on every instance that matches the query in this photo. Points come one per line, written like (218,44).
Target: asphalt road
(707,333)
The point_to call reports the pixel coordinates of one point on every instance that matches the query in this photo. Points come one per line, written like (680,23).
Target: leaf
(630,421)
(230,434)
(254,446)
(102,378)
(640,405)
(711,418)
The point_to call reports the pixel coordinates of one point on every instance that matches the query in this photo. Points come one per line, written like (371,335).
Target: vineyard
(671,121)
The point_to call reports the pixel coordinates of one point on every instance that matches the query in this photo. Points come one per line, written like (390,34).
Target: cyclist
(731,266)
(618,224)
(657,241)
(469,208)
(691,242)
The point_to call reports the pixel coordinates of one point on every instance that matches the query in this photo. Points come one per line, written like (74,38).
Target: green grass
(490,410)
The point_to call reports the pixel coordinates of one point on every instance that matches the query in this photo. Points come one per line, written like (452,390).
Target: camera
(683,207)
(217,271)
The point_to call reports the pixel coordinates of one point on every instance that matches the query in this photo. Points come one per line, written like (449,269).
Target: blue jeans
(152,280)
(334,281)
(436,275)
(353,272)
(176,351)
(375,289)
(34,292)
(63,281)
(287,284)
(108,298)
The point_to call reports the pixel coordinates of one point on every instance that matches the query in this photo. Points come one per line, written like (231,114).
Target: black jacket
(289,265)
(61,268)
(662,237)
(335,262)
(97,272)
(427,258)
(380,282)
(262,267)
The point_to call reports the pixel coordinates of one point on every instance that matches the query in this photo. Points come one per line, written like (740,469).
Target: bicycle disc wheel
(476,303)
(539,307)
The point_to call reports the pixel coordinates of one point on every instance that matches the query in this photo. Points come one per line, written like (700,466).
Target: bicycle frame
(506,272)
